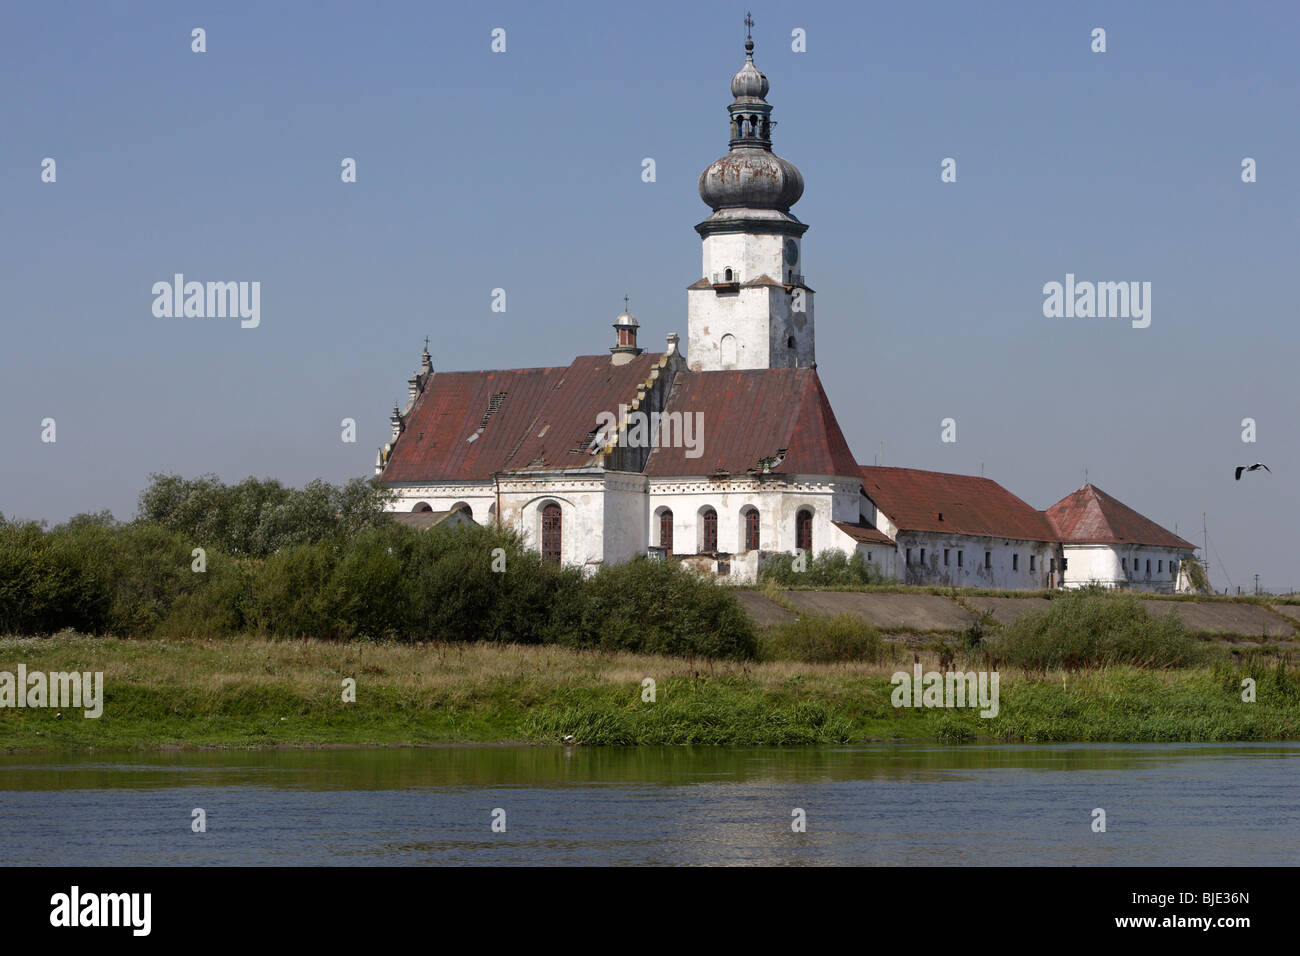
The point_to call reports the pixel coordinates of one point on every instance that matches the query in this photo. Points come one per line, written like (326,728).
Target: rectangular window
(1031,563)
(960,558)
(909,556)
(1123,564)
(868,555)
(923,557)
(1148,565)
(1015,562)
(1052,566)
(945,557)
(988,559)
(1160,566)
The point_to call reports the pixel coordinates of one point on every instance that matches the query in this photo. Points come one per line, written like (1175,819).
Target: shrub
(829,568)
(289,592)
(259,517)
(659,607)
(1091,628)
(815,638)
(51,580)
(381,581)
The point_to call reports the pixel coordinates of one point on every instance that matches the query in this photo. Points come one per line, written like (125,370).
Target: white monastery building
(731,452)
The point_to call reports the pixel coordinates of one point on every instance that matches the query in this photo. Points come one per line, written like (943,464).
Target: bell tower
(752,308)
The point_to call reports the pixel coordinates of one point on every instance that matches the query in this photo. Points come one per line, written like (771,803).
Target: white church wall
(778,501)
(748,255)
(759,319)
(712,315)
(626,517)
(479,497)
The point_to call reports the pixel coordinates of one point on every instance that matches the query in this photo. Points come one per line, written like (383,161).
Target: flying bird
(1255,467)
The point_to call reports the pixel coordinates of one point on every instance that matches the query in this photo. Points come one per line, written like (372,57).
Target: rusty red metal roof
(864,533)
(755,414)
(523,418)
(1090,516)
(916,500)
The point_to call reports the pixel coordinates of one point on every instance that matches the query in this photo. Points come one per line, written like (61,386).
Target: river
(889,804)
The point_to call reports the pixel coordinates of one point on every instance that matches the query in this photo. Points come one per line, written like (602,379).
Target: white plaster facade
(1133,567)
(975,561)
(612,517)
(737,320)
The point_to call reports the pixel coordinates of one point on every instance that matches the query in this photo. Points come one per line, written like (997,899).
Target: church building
(727,452)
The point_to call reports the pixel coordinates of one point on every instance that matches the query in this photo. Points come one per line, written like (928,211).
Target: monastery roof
(863,533)
(778,415)
(1090,516)
(465,426)
(916,500)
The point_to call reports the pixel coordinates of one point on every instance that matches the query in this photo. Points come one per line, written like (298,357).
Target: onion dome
(751,175)
(749,81)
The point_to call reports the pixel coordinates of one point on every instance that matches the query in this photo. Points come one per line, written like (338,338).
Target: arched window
(666,530)
(751,529)
(422,506)
(552,528)
(726,275)
(710,520)
(790,342)
(729,350)
(803,530)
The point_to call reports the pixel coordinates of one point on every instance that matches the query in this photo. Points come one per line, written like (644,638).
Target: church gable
(565,427)
(755,420)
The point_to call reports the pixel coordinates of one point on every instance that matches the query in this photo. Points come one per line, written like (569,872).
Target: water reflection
(903,804)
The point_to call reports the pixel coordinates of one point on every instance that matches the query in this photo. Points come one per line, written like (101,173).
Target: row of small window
(553,530)
(1137,565)
(749,517)
(988,560)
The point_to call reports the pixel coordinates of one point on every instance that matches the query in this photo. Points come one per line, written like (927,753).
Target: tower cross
(749,25)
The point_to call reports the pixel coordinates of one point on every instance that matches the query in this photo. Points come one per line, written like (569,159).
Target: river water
(897,804)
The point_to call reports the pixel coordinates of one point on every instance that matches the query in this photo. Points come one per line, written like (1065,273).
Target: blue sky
(522,171)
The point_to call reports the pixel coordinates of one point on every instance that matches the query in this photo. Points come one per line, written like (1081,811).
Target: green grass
(249,692)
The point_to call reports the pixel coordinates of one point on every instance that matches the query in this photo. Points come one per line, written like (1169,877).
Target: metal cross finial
(749,25)
(624,303)
(426,343)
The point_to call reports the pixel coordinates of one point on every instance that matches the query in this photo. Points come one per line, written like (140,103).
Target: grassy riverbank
(252,692)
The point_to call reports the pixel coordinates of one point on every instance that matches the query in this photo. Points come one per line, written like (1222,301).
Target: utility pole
(1257,585)
(1205,551)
